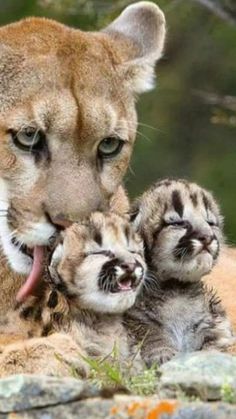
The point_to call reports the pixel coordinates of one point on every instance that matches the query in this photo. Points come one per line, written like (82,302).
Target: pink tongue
(125,285)
(34,276)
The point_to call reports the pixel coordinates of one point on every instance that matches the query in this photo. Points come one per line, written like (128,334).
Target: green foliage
(108,373)
(228,394)
(183,396)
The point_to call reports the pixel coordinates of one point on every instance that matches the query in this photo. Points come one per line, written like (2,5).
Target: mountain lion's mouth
(37,254)
(23,248)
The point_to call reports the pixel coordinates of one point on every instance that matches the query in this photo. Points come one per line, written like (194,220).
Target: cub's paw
(225,345)
(232,349)
(56,355)
(159,357)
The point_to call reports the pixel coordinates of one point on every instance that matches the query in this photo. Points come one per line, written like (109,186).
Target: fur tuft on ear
(140,30)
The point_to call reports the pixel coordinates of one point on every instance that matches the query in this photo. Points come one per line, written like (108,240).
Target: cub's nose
(205,239)
(133,268)
(128,266)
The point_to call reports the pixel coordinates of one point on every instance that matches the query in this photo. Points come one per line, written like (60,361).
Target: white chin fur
(109,303)
(39,234)
(188,271)
(204,263)
(17,260)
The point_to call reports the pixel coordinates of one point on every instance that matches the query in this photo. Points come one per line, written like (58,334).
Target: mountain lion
(67,130)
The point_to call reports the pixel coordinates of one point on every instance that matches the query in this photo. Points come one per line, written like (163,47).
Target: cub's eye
(110,147)
(29,139)
(178,223)
(136,252)
(212,223)
(106,253)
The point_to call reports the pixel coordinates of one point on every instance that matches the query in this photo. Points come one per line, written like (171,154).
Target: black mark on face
(127,233)
(206,202)
(177,203)
(107,277)
(194,199)
(184,248)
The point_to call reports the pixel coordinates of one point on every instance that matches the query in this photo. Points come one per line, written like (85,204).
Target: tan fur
(77,89)
(12,326)
(57,354)
(223,280)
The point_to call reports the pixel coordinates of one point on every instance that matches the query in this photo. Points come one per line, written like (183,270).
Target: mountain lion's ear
(140,32)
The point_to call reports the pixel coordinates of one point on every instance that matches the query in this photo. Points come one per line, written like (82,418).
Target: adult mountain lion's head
(67,121)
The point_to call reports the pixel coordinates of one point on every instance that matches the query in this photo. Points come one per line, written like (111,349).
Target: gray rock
(22,392)
(205,411)
(203,374)
(128,407)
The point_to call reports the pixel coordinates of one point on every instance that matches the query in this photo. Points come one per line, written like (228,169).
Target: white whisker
(34,140)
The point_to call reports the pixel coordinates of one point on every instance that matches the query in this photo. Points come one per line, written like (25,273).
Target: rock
(22,392)
(203,374)
(130,407)
(205,411)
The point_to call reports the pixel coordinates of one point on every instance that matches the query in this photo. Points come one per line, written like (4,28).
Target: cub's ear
(140,32)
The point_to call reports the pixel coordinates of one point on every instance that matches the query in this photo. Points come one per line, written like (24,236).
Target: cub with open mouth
(95,273)
(99,265)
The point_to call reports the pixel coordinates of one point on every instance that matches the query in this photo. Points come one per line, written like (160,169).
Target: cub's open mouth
(126,283)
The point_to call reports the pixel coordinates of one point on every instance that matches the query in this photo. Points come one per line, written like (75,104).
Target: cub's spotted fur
(182,229)
(96,273)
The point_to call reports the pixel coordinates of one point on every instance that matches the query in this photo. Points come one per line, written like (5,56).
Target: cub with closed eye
(97,270)
(182,229)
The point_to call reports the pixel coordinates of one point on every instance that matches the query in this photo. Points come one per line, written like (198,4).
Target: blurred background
(188,123)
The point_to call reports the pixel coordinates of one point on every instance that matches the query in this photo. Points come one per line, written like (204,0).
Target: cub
(182,229)
(93,275)
(96,273)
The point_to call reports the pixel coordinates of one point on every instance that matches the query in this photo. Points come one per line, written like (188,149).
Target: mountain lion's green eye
(28,139)
(110,147)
